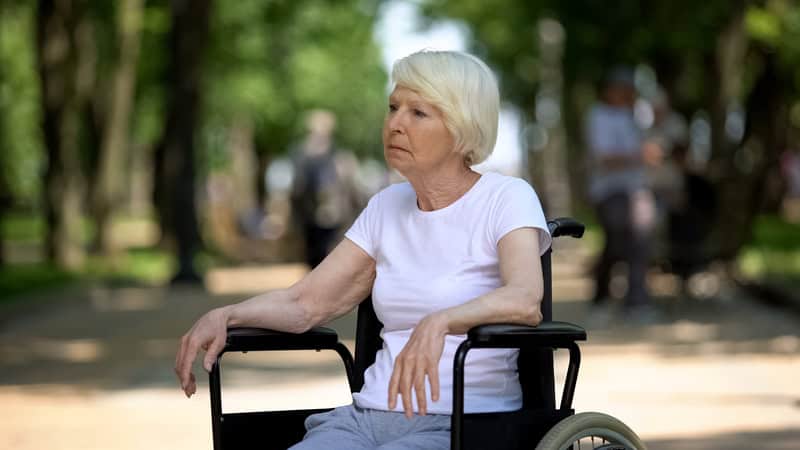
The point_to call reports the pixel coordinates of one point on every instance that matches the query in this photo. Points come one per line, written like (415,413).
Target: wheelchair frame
(536,344)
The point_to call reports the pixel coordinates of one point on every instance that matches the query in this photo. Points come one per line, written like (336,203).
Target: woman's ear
(468,155)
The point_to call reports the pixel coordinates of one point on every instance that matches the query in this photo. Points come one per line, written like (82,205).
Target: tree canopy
(712,58)
(108,75)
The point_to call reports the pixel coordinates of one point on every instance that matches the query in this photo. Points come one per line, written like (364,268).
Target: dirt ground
(91,368)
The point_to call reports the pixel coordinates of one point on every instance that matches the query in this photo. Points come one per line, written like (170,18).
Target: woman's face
(415,138)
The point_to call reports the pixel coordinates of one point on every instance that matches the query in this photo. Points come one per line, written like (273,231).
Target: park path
(91,368)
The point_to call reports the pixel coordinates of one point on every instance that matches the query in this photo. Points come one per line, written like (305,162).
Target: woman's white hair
(465,91)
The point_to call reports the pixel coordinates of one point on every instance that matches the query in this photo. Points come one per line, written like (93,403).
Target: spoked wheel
(590,431)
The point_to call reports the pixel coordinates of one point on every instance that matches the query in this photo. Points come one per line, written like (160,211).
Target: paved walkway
(93,370)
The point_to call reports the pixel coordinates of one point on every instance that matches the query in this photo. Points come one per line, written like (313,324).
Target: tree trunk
(550,114)
(720,96)
(114,147)
(724,84)
(738,169)
(5,191)
(5,203)
(175,158)
(243,166)
(765,138)
(263,160)
(65,66)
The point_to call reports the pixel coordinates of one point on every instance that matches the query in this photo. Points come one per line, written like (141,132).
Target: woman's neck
(440,189)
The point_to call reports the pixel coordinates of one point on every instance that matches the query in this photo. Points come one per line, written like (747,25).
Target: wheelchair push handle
(565,226)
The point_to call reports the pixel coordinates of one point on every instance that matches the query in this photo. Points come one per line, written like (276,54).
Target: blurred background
(162,157)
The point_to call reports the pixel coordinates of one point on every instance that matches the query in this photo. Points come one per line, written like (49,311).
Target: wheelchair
(539,424)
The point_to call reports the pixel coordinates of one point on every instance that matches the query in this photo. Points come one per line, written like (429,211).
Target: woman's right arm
(333,288)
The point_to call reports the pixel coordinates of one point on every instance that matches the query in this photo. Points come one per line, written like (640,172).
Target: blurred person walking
(323,198)
(619,192)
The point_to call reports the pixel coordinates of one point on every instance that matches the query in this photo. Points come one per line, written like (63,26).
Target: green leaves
(21,156)
(272,61)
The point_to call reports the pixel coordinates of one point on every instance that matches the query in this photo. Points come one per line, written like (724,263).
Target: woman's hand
(208,333)
(419,358)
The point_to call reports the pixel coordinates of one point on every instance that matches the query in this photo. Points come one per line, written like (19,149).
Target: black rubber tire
(588,424)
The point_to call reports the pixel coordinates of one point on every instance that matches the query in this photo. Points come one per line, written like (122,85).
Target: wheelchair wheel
(590,430)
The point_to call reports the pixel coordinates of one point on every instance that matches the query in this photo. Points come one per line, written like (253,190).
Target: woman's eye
(392,108)
(420,113)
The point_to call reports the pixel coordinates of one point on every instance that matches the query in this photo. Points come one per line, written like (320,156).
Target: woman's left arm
(518,301)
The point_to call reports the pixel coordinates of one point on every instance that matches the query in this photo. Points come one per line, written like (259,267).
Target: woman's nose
(395,122)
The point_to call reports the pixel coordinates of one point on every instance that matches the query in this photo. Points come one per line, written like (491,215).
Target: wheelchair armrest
(546,334)
(256,339)
(565,226)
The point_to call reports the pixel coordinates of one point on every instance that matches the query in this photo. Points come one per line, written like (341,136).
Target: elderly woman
(445,251)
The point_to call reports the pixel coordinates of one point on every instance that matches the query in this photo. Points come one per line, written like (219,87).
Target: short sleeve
(364,230)
(518,206)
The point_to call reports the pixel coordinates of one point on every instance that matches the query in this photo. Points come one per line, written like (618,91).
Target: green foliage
(22,228)
(21,155)
(773,252)
(271,61)
(772,232)
(137,265)
(149,113)
(776,26)
(598,36)
(267,62)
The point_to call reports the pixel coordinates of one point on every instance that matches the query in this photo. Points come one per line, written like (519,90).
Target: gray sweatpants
(353,428)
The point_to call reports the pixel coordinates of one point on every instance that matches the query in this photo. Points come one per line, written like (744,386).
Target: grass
(22,227)
(142,264)
(134,266)
(145,265)
(774,252)
(25,278)
(774,233)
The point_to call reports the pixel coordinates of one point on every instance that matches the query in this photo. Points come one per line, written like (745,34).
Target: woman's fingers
(409,374)
(419,387)
(187,354)
(208,334)
(418,359)
(191,385)
(433,379)
(405,390)
(394,384)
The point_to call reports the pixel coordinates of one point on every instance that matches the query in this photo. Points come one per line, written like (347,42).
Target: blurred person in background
(324,199)
(447,250)
(690,220)
(685,199)
(669,137)
(619,192)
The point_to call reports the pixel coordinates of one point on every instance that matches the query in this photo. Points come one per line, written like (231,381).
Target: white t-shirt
(428,261)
